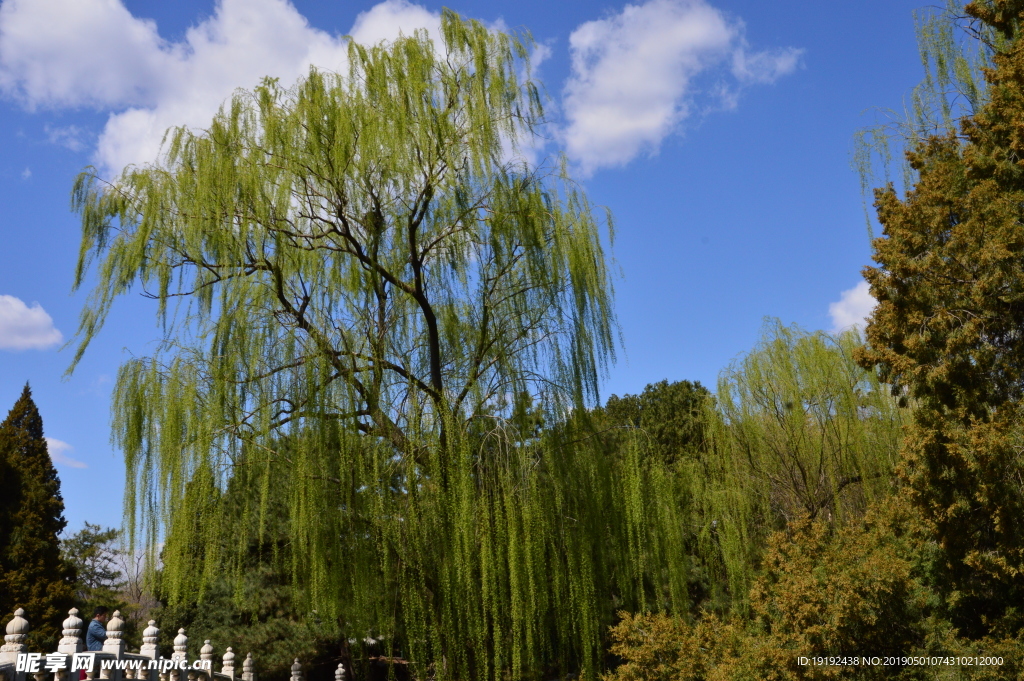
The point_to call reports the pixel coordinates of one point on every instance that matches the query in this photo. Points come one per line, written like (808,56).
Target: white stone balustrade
(206,652)
(248,668)
(180,646)
(57,666)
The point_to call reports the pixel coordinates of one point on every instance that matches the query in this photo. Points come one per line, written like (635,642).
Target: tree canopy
(33,574)
(356,248)
(672,415)
(797,431)
(361,287)
(93,555)
(946,332)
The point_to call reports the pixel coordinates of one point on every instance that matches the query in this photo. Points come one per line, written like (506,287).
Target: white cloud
(23,327)
(58,453)
(69,137)
(71,53)
(633,73)
(386,20)
(853,308)
(766,66)
(78,53)
(26,173)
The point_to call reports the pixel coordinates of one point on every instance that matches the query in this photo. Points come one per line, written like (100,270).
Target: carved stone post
(228,669)
(114,645)
(248,668)
(180,653)
(14,641)
(72,642)
(180,646)
(150,635)
(339,673)
(206,655)
(115,629)
(296,670)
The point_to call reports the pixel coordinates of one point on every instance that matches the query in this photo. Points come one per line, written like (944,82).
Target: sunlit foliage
(955,48)
(947,333)
(798,430)
(822,592)
(363,297)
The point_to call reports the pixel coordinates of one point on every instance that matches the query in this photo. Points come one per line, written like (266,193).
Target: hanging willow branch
(352,275)
(955,51)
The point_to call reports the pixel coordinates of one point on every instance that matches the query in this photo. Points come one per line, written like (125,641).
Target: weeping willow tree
(362,299)
(799,431)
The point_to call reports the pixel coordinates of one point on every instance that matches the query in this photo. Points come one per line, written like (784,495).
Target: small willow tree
(800,430)
(357,289)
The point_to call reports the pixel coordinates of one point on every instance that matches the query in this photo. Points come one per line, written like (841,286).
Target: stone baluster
(114,644)
(180,646)
(180,653)
(14,641)
(296,670)
(248,668)
(339,673)
(93,672)
(206,655)
(228,669)
(72,642)
(150,635)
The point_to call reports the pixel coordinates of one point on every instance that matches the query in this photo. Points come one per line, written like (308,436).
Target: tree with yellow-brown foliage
(947,334)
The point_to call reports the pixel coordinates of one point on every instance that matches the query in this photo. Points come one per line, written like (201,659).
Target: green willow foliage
(363,303)
(354,282)
(955,49)
(799,430)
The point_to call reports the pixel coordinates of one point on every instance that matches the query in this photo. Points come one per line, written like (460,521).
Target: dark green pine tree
(33,575)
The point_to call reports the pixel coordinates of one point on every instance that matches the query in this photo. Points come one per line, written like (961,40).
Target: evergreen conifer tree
(33,575)
(947,334)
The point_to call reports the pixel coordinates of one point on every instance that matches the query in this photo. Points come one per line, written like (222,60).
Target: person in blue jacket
(97,632)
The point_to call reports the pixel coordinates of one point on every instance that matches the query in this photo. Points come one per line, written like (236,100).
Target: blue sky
(719,133)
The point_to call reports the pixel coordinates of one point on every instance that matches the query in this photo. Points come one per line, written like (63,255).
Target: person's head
(100,613)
